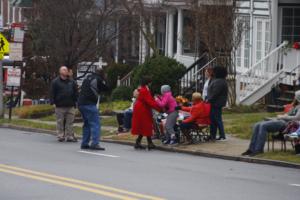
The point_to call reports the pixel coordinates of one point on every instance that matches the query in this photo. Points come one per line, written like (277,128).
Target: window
(243,51)
(290,24)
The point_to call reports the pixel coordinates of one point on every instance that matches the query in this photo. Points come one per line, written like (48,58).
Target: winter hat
(165,89)
(297,95)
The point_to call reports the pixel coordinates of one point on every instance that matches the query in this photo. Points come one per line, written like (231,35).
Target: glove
(178,108)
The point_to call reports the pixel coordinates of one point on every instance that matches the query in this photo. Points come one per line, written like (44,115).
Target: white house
(262,60)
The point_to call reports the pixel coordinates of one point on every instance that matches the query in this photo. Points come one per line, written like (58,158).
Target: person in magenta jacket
(168,104)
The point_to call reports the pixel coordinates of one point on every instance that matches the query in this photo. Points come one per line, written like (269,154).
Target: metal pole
(11,102)
(1,91)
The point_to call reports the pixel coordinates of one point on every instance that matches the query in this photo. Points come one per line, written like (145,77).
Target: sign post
(4,48)
(13,80)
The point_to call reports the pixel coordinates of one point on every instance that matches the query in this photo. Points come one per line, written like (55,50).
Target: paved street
(35,167)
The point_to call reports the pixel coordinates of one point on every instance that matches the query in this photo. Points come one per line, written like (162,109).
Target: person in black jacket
(91,88)
(64,94)
(217,97)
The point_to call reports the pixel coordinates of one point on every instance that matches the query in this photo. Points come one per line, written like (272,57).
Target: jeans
(91,126)
(260,132)
(127,118)
(216,122)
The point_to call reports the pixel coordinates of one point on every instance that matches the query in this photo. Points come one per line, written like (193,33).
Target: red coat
(199,113)
(142,120)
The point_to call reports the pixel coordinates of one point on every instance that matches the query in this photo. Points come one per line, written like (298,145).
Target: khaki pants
(64,118)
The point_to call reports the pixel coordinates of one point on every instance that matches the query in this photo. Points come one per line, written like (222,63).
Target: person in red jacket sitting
(199,115)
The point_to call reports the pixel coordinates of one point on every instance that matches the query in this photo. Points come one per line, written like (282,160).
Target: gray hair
(165,88)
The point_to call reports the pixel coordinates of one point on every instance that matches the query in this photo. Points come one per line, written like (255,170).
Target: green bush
(162,70)
(116,70)
(121,93)
(34,111)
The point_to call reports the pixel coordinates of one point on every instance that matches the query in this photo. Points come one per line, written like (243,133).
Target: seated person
(199,114)
(124,118)
(261,129)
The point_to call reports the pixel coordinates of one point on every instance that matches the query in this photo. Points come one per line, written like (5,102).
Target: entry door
(262,38)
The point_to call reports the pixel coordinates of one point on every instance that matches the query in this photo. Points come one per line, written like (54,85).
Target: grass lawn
(240,125)
(288,156)
(38,125)
(109,121)
(115,105)
(50,118)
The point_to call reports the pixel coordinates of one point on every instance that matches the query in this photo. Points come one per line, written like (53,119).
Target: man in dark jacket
(64,94)
(91,88)
(217,97)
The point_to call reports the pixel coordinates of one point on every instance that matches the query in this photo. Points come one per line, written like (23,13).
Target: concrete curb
(170,149)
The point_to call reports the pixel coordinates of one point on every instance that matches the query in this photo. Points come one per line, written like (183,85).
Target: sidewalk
(231,147)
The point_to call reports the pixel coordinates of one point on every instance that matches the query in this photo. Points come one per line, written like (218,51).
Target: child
(199,115)
(168,103)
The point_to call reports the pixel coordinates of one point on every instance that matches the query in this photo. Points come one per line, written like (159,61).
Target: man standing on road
(63,95)
(91,88)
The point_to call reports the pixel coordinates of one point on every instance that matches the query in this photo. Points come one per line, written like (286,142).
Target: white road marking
(296,185)
(99,154)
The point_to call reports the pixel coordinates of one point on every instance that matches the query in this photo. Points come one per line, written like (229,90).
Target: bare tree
(145,15)
(67,32)
(217,29)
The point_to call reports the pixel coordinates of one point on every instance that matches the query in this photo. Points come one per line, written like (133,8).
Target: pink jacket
(167,102)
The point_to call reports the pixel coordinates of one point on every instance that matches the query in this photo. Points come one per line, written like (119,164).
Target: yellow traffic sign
(4,45)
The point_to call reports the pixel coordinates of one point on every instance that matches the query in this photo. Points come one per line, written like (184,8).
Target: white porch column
(117,42)
(180,33)
(143,44)
(152,33)
(20,15)
(170,33)
(275,24)
(14,14)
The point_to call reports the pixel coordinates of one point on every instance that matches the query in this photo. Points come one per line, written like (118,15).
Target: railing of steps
(188,81)
(261,72)
(126,80)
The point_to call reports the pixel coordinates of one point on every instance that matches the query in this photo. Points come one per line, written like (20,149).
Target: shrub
(35,111)
(121,93)
(116,70)
(162,70)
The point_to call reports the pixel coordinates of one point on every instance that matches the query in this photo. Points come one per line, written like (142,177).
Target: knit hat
(297,95)
(165,88)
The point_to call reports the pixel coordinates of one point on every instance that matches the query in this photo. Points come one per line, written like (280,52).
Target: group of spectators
(205,109)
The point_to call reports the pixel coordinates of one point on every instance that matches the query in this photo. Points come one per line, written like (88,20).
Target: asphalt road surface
(35,167)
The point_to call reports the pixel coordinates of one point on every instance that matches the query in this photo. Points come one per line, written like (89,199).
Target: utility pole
(1,91)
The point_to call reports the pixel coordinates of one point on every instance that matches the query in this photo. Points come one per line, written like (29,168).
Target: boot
(138,143)
(150,143)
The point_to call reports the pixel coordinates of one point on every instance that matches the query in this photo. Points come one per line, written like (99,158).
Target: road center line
(78,184)
(71,185)
(99,154)
(296,185)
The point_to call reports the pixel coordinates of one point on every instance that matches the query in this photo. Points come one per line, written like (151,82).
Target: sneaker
(61,139)
(246,153)
(72,139)
(255,153)
(85,147)
(173,142)
(97,147)
(221,139)
(166,142)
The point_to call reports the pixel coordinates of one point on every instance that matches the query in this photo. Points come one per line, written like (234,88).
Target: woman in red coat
(142,120)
